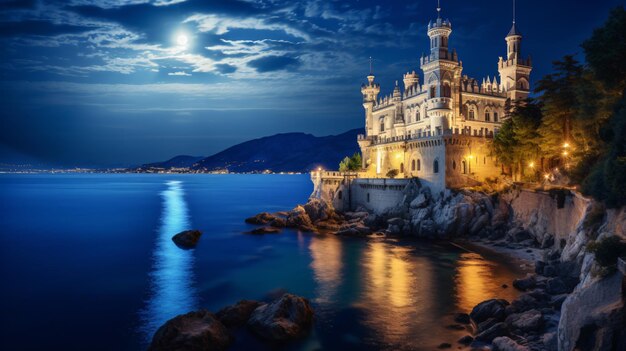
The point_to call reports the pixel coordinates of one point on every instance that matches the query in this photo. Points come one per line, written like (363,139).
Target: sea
(87,263)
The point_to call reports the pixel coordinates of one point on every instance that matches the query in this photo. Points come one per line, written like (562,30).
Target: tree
(392,173)
(353,163)
(605,51)
(516,143)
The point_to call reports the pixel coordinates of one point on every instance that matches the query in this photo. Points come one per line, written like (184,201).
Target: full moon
(182,40)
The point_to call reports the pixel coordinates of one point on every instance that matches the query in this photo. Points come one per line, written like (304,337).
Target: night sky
(111,82)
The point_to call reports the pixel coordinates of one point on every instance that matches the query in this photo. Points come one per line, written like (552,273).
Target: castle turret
(514,70)
(442,74)
(411,80)
(370,93)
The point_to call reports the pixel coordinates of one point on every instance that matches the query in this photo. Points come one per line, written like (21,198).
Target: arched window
(436,166)
(464,167)
(419,164)
(453,164)
(447,91)
(382,124)
(471,114)
(402,167)
(432,92)
(417,116)
(487,116)
(413,165)
(495,116)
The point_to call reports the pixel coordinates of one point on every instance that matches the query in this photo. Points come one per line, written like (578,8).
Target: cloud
(223,24)
(179,73)
(274,63)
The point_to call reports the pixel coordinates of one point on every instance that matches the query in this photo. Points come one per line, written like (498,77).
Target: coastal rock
(278,223)
(265,230)
(286,318)
(493,308)
(261,218)
(420,201)
(503,343)
(525,284)
(466,340)
(298,218)
(498,329)
(187,239)
(526,322)
(318,210)
(238,314)
(194,331)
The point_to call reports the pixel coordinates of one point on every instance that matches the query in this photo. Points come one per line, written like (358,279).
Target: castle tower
(515,71)
(411,80)
(370,94)
(442,73)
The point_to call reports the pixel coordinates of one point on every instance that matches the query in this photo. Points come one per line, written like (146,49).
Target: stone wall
(377,194)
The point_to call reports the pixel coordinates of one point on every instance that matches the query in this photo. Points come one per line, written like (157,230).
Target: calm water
(86,262)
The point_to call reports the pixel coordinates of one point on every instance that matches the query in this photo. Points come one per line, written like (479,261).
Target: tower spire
(514,12)
(370,65)
(438,8)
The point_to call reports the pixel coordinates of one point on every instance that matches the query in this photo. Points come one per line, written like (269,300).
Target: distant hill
(177,162)
(288,152)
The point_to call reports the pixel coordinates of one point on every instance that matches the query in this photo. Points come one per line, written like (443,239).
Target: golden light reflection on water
(327,264)
(476,281)
(397,286)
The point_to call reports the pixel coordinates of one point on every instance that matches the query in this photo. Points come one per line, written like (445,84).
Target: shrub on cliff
(607,251)
(392,173)
(353,163)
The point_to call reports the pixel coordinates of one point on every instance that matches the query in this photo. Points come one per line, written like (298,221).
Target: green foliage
(517,142)
(353,163)
(607,251)
(605,51)
(392,173)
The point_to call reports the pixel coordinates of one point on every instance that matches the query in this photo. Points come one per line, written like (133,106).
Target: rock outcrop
(194,331)
(238,314)
(286,318)
(187,239)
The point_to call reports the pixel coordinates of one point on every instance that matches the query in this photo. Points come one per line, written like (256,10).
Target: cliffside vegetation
(353,163)
(577,124)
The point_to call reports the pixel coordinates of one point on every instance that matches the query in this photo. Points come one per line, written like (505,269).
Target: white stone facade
(440,130)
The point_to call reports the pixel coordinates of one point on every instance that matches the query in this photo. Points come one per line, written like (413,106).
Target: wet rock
(462,318)
(286,318)
(278,223)
(194,331)
(427,229)
(265,230)
(525,284)
(504,343)
(498,329)
(318,210)
(419,202)
(298,218)
(557,301)
(238,314)
(486,325)
(187,239)
(528,321)
(466,340)
(556,286)
(261,218)
(493,308)
(518,235)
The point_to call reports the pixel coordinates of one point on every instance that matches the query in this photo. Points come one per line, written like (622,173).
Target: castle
(440,130)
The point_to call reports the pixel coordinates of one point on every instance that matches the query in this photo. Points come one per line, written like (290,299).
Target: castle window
(471,115)
(402,168)
(339,194)
(382,124)
(495,116)
(464,167)
(417,116)
(419,164)
(447,91)
(368,197)
(487,116)
(413,165)
(436,166)
(432,92)
(453,164)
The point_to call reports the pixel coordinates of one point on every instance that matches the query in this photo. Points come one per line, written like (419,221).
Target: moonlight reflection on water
(171,279)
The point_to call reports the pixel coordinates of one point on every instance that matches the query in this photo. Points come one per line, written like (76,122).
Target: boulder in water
(194,331)
(261,218)
(493,308)
(238,314)
(289,317)
(265,230)
(187,239)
